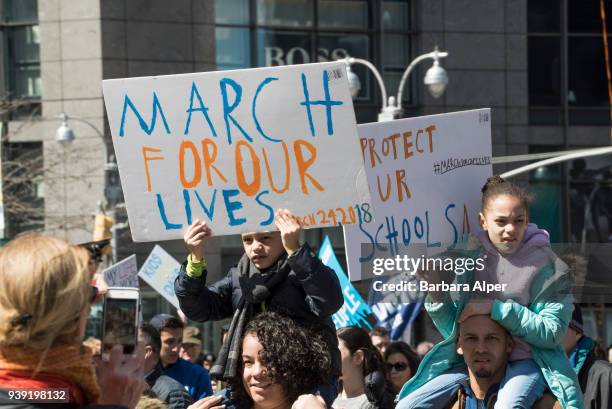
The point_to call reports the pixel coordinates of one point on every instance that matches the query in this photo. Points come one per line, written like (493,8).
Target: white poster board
(425,176)
(123,273)
(159,271)
(231,147)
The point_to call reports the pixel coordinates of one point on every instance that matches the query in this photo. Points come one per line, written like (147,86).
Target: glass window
(544,71)
(283,48)
(233,48)
(396,15)
(292,13)
(339,14)
(335,46)
(583,16)
(392,80)
(19,11)
(232,11)
(591,199)
(21,54)
(544,16)
(587,72)
(396,51)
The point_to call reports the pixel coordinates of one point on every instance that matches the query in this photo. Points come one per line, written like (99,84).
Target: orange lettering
(287,170)
(419,132)
(364,145)
(303,165)
(430,130)
(393,138)
(209,158)
(407,145)
(400,175)
(197,170)
(385,197)
(146,149)
(249,189)
(373,152)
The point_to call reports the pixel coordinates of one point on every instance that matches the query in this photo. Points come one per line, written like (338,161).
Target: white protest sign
(159,271)
(123,273)
(425,176)
(230,147)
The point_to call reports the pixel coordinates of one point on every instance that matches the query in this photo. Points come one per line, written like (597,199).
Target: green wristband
(195,268)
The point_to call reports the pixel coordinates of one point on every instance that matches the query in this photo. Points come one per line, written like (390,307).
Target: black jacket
(310,295)
(168,390)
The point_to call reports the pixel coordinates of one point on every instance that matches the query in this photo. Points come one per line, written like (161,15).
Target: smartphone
(120,319)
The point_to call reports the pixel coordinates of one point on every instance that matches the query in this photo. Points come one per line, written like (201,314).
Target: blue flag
(355,311)
(395,310)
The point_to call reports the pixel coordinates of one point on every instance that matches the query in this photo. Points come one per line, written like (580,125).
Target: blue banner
(396,310)
(355,311)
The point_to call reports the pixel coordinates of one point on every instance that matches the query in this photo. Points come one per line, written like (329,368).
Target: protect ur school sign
(230,147)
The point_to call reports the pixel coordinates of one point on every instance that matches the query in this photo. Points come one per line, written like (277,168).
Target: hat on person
(191,335)
(576,323)
(209,357)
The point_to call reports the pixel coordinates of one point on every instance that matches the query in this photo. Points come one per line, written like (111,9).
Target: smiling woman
(280,364)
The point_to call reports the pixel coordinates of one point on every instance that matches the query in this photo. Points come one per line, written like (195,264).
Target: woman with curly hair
(281,364)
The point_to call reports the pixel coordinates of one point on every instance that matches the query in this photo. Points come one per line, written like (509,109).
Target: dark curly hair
(297,358)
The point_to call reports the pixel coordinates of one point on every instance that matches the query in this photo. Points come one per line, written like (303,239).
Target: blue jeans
(437,393)
(521,386)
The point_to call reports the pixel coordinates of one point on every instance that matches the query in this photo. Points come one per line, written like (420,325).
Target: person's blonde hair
(44,285)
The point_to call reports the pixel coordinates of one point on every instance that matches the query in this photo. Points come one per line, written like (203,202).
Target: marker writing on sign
(204,185)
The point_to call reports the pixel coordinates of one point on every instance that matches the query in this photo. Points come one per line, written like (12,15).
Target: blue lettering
(437,243)
(406,233)
(228,108)
(210,211)
(455,231)
(418,222)
(127,102)
(392,234)
(232,206)
(187,201)
(327,102)
(202,108)
(257,124)
(270,218)
(162,213)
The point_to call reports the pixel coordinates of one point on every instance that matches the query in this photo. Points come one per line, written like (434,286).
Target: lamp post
(112,188)
(435,79)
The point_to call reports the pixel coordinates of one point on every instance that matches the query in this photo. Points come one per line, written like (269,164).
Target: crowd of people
(523,347)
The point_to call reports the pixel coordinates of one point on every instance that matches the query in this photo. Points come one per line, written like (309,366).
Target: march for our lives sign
(230,147)
(355,311)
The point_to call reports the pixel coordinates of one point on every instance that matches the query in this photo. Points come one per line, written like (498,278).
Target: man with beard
(485,346)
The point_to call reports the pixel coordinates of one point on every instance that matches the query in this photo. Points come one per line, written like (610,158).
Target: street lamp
(436,80)
(112,188)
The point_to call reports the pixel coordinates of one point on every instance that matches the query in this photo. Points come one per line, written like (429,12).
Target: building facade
(539,65)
